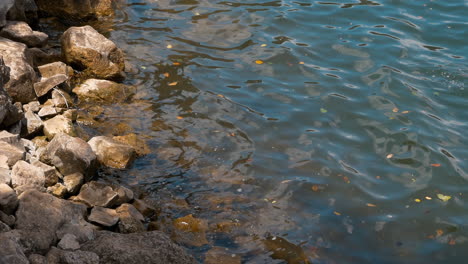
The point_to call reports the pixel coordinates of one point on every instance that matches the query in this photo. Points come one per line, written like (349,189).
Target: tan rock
(58,124)
(103,91)
(21,32)
(112,153)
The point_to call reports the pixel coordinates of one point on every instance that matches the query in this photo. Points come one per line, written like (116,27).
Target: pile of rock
(51,209)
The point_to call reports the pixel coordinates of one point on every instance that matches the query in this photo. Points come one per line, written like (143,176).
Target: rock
(103,91)
(9,112)
(5,6)
(125,195)
(39,215)
(26,175)
(46,84)
(4,227)
(103,216)
(190,231)
(70,155)
(33,106)
(145,247)
(137,143)
(73,182)
(50,173)
(55,68)
(76,9)
(11,251)
(57,256)
(58,190)
(220,255)
(58,124)
(37,259)
(48,111)
(61,99)
(23,10)
(5,175)
(4,162)
(8,199)
(86,49)
(40,57)
(34,124)
(131,220)
(21,32)
(40,141)
(22,75)
(13,153)
(145,209)
(71,114)
(68,241)
(97,194)
(112,153)
(7,219)
(83,233)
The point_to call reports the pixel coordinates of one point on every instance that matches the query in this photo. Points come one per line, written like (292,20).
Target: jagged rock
(73,182)
(7,219)
(40,57)
(76,9)
(58,256)
(4,162)
(34,124)
(12,152)
(55,68)
(69,155)
(145,247)
(86,49)
(23,10)
(82,232)
(37,259)
(125,195)
(46,84)
(9,113)
(58,124)
(103,91)
(11,251)
(21,32)
(58,190)
(145,209)
(48,111)
(5,6)
(97,194)
(71,114)
(69,242)
(61,99)
(50,173)
(131,220)
(4,227)
(22,75)
(137,143)
(112,153)
(26,176)
(39,215)
(33,106)
(218,255)
(103,216)
(8,199)
(5,175)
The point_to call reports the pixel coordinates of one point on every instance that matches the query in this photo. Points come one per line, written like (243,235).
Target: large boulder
(58,256)
(97,194)
(11,251)
(22,75)
(112,153)
(69,155)
(103,91)
(145,247)
(40,215)
(20,31)
(86,49)
(27,176)
(76,9)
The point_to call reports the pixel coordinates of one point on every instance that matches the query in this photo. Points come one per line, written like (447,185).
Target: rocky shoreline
(52,209)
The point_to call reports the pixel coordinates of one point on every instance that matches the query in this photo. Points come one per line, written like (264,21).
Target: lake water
(302,131)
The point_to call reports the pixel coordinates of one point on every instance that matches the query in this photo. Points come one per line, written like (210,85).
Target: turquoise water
(331,125)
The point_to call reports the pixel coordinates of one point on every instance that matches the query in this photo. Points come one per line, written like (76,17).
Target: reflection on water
(299,131)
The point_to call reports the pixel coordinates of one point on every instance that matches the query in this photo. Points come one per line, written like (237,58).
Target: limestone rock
(58,190)
(55,68)
(33,106)
(103,216)
(131,220)
(145,247)
(34,124)
(82,232)
(50,173)
(76,9)
(69,155)
(21,32)
(97,194)
(68,241)
(124,194)
(48,111)
(103,91)
(112,153)
(39,215)
(58,124)
(46,84)
(8,199)
(22,75)
(37,259)
(27,175)
(73,182)
(5,175)
(11,251)
(13,153)
(86,49)
(61,99)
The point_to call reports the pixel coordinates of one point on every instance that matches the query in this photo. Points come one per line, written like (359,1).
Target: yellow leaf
(428,198)
(395,110)
(389,156)
(417,200)
(405,112)
(169,46)
(336,213)
(179,117)
(301,62)
(263,45)
(176,63)
(371,205)
(444,198)
(166,75)
(259,61)
(172,83)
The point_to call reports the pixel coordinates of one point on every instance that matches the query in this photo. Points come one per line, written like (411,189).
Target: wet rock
(284,250)
(76,9)
(144,208)
(26,176)
(103,91)
(218,255)
(86,49)
(55,68)
(57,256)
(145,247)
(131,220)
(70,155)
(103,216)
(37,259)
(137,143)
(34,124)
(61,99)
(97,194)
(33,106)
(112,153)
(42,87)
(22,75)
(21,32)
(68,241)
(83,233)
(73,182)
(58,125)
(8,199)
(48,111)
(5,175)
(5,6)
(40,57)
(190,231)
(39,215)
(11,251)
(58,190)
(71,114)
(125,195)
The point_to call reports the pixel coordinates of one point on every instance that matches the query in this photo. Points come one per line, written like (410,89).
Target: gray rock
(46,84)
(21,32)
(73,182)
(5,6)
(131,220)
(57,256)
(58,125)
(8,199)
(86,49)
(103,216)
(112,153)
(55,68)
(4,227)
(22,75)
(28,176)
(5,176)
(70,155)
(103,91)
(97,194)
(37,259)
(39,57)
(33,106)
(82,232)
(11,251)
(145,247)
(50,173)
(23,10)
(144,208)
(48,111)
(125,194)
(69,242)
(34,123)
(7,219)
(40,215)
(13,153)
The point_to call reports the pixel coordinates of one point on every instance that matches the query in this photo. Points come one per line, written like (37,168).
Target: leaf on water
(452,242)
(444,198)
(435,165)
(389,156)
(336,213)
(371,205)
(263,45)
(323,110)
(143,67)
(176,63)
(417,200)
(405,112)
(166,75)
(301,62)
(172,84)
(428,198)
(395,110)
(169,46)
(439,232)
(220,95)
(315,188)
(179,117)
(259,62)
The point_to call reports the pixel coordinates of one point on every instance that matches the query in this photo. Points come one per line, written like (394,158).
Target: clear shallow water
(320,123)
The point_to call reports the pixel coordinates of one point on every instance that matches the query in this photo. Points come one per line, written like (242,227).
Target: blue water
(333,125)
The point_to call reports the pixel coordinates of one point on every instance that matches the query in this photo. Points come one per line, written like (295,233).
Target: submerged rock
(136,142)
(103,91)
(112,153)
(86,49)
(76,9)
(218,255)
(190,231)
(21,32)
